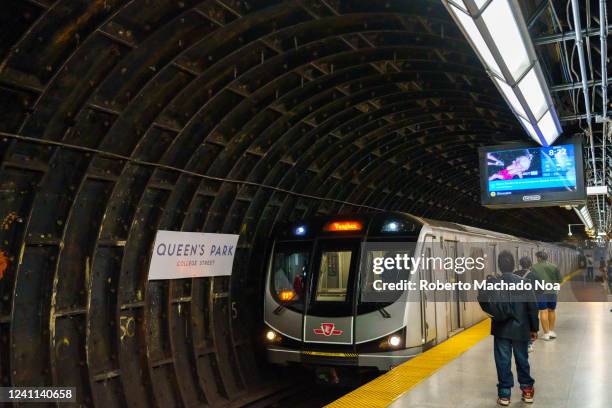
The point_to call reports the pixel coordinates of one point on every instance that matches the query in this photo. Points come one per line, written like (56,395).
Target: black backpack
(496,303)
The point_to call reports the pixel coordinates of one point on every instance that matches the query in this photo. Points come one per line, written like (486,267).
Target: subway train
(315,311)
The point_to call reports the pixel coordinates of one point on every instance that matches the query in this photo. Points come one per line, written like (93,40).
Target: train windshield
(370,298)
(289,272)
(333,279)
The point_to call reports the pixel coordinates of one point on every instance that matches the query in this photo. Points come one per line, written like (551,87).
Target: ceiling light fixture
(496,30)
(585,217)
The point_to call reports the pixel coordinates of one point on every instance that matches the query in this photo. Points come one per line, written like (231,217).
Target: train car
(313,304)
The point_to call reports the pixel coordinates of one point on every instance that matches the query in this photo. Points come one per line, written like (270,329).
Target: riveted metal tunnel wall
(119,118)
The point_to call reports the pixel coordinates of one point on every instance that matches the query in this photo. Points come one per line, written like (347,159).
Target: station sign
(179,255)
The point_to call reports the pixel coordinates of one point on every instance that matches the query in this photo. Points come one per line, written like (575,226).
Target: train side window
(289,270)
(334,272)
(478,253)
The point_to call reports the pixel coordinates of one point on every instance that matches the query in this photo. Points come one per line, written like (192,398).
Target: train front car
(315,307)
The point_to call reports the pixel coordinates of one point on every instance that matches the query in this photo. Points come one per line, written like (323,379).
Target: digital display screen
(517,176)
(531,170)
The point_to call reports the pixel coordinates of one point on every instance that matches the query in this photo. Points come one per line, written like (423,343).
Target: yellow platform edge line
(571,275)
(383,390)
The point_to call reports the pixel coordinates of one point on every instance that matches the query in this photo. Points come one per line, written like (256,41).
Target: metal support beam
(603,33)
(575,85)
(537,13)
(566,36)
(570,118)
(581,59)
(585,89)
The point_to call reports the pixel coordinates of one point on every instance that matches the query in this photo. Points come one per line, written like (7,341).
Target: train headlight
(395,340)
(391,227)
(271,335)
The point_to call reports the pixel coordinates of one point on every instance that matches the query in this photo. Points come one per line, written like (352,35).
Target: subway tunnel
(121,118)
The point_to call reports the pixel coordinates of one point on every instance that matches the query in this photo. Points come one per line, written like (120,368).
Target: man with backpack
(526,273)
(514,316)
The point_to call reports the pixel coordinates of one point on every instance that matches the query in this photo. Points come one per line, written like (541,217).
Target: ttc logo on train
(327,329)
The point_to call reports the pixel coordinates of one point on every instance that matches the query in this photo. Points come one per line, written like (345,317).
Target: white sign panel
(178,254)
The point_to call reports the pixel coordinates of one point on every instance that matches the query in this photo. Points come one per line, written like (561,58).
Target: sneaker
(546,336)
(530,348)
(528,393)
(552,334)
(503,401)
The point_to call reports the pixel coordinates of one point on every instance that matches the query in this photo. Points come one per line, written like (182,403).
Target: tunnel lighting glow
(532,91)
(286,295)
(547,126)
(497,32)
(301,230)
(477,41)
(270,335)
(395,341)
(343,226)
(506,34)
(585,217)
(530,129)
(510,97)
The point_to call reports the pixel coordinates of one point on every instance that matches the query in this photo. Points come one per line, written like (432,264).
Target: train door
(453,303)
(330,309)
(441,304)
(428,299)
(492,260)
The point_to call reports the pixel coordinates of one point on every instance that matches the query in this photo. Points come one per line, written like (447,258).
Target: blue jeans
(502,349)
(590,273)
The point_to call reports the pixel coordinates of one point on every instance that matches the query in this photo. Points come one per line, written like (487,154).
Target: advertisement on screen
(525,176)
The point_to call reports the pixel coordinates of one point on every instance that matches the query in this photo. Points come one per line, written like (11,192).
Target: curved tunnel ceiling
(123,117)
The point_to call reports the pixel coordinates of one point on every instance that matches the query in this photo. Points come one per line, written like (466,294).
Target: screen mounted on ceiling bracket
(526,175)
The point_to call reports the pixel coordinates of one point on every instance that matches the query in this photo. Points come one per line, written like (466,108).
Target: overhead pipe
(603,33)
(563,36)
(583,74)
(575,85)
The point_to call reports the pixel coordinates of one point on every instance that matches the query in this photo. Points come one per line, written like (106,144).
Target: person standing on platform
(514,321)
(609,273)
(589,263)
(547,272)
(525,273)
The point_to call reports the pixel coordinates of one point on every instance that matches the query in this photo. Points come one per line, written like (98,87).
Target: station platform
(574,370)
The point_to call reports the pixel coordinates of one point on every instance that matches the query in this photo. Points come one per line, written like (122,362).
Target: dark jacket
(526,274)
(525,312)
(530,276)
